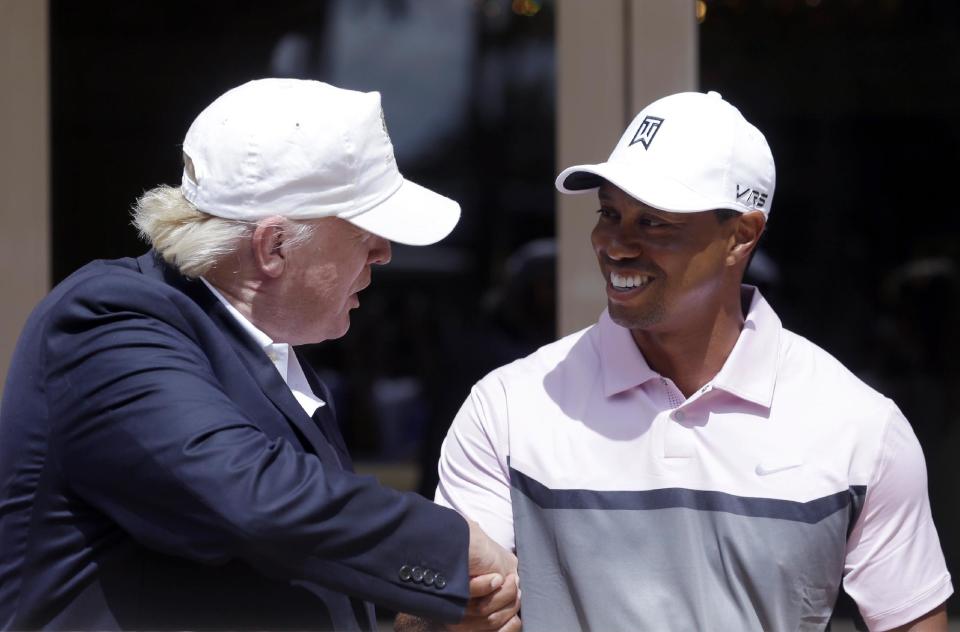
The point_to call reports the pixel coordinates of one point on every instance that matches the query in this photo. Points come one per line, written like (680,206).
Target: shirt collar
(621,363)
(281,355)
(264,341)
(750,371)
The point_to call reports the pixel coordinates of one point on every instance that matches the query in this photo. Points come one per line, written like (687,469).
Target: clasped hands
(494,587)
(494,601)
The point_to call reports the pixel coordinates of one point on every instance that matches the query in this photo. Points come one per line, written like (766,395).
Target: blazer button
(405,573)
(417,574)
(440,582)
(429,577)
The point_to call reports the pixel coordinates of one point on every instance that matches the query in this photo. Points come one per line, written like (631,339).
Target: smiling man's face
(663,270)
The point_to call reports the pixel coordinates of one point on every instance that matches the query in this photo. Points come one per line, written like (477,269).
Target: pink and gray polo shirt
(742,507)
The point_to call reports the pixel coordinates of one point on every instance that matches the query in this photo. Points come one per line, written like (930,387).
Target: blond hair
(192,241)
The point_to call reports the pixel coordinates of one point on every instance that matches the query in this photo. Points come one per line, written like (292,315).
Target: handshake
(494,591)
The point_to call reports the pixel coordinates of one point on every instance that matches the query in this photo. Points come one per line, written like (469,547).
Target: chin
(340,329)
(316,335)
(639,319)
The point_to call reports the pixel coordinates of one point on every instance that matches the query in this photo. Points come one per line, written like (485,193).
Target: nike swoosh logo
(765,469)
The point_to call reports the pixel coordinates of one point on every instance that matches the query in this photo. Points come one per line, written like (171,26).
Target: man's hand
(486,557)
(494,602)
(494,586)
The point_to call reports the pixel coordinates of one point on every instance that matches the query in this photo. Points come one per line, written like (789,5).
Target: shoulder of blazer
(249,351)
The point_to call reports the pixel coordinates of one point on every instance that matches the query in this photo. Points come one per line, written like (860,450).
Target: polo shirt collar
(621,363)
(750,371)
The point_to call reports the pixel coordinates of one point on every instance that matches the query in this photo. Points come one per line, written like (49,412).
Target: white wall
(613,57)
(24,166)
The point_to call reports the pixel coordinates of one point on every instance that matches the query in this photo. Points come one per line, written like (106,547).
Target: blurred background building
(484,100)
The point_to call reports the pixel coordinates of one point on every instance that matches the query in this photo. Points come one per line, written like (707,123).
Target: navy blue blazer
(157,473)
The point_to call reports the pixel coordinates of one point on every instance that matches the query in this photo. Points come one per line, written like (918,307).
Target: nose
(380,251)
(619,247)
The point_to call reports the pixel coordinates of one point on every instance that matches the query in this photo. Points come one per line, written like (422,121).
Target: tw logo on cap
(647,130)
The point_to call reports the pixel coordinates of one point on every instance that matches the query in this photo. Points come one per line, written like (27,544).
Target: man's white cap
(686,153)
(303,150)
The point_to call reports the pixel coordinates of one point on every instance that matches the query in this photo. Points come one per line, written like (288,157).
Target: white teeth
(625,282)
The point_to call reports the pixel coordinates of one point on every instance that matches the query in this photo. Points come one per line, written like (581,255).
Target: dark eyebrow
(664,216)
(607,198)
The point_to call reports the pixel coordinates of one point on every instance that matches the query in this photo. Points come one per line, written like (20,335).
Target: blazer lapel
(325,416)
(252,356)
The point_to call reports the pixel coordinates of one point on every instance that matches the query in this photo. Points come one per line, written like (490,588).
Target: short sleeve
(473,471)
(895,568)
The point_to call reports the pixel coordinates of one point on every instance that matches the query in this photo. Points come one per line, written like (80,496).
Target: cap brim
(414,215)
(644,183)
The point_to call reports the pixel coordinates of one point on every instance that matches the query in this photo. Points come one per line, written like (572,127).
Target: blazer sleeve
(144,432)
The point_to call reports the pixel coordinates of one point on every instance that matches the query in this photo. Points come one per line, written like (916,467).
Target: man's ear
(268,251)
(745,236)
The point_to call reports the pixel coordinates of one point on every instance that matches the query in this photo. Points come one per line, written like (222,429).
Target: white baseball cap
(303,150)
(686,153)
